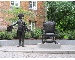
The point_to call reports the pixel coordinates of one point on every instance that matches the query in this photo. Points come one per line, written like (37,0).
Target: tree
(63,13)
(15,11)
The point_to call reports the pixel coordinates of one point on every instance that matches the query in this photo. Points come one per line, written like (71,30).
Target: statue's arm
(25,27)
(14,24)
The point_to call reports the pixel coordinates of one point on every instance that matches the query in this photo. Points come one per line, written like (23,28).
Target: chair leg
(53,38)
(42,39)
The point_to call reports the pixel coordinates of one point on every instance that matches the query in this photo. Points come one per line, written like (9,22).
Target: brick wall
(4,5)
(40,12)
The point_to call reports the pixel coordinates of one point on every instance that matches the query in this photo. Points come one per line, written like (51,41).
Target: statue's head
(20,16)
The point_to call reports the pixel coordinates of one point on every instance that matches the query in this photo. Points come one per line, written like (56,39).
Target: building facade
(36,6)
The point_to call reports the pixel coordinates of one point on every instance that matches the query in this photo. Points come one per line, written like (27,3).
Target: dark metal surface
(48,31)
(9,28)
(22,28)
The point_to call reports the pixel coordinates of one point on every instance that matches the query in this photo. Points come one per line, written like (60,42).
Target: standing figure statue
(22,28)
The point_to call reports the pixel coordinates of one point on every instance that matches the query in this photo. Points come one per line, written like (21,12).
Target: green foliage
(14,34)
(63,13)
(9,36)
(6,35)
(70,35)
(32,34)
(27,35)
(2,35)
(36,33)
(15,11)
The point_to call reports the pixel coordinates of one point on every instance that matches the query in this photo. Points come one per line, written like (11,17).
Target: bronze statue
(49,31)
(22,28)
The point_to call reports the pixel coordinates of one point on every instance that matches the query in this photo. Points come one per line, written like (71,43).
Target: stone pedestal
(49,45)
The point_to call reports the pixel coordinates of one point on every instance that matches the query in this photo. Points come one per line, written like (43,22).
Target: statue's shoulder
(18,20)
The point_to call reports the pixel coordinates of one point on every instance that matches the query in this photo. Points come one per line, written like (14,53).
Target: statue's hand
(29,29)
(9,28)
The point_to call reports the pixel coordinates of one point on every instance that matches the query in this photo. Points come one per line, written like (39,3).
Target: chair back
(49,26)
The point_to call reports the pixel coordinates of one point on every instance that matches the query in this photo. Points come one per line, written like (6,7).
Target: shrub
(37,33)
(32,34)
(70,35)
(2,35)
(27,35)
(60,35)
(9,36)
(14,33)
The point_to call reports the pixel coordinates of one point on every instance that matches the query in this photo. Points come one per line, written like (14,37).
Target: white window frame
(15,2)
(33,7)
(32,25)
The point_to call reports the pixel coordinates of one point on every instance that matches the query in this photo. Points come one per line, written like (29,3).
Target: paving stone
(17,52)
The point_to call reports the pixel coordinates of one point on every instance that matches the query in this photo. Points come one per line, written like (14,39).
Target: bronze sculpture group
(47,31)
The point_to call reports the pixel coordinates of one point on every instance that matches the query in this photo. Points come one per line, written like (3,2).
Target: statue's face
(20,17)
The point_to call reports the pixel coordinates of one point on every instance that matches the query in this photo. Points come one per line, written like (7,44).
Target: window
(31,25)
(30,4)
(14,3)
(33,5)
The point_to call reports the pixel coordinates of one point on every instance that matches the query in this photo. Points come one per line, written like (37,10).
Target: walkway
(33,51)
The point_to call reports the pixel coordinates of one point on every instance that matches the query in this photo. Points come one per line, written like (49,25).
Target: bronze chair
(48,31)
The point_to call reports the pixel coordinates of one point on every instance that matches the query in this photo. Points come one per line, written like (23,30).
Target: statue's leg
(42,39)
(19,36)
(23,35)
(19,41)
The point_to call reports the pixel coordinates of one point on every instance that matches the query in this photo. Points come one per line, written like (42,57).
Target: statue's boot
(22,44)
(19,45)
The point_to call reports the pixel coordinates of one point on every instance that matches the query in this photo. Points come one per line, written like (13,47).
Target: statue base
(49,45)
